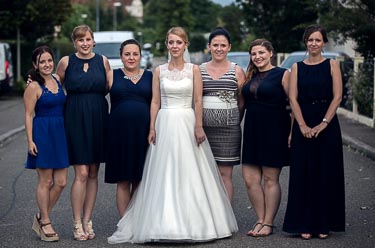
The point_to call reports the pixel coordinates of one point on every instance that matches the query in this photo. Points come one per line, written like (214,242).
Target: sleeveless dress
(181,197)
(316,199)
(221,116)
(49,132)
(129,124)
(267,120)
(86,110)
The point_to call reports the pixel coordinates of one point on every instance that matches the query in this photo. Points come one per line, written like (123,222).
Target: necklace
(133,78)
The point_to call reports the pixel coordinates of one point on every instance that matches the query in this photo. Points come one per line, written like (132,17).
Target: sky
(223,2)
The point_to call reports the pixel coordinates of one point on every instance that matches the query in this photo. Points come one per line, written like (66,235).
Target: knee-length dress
(267,120)
(181,197)
(86,109)
(316,199)
(128,129)
(49,132)
(221,116)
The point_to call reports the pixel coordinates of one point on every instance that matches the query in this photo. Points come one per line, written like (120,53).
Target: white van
(6,68)
(108,43)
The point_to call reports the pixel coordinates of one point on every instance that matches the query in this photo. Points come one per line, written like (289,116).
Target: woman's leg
(43,197)
(272,192)
(252,175)
(59,183)
(226,173)
(78,191)
(122,196)
(91,191)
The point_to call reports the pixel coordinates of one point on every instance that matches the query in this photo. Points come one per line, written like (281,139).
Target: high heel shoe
(78,232)
(36,224)
(49,237)
(87,226)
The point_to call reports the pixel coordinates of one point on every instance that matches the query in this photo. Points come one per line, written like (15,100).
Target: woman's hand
(306,131)
(319,128)
(32,149)
(200,136)
(152,137)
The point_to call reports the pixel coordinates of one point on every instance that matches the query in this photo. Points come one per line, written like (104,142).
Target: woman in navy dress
(266,132)
(129,122)
(84,75)
(316,199)
(44,101)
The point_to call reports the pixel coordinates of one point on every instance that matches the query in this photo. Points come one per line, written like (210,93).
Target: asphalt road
(18,204)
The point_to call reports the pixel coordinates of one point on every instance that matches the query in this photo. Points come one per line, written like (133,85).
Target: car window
(110,50)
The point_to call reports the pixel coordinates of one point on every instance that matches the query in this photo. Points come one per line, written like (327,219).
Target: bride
(181,197)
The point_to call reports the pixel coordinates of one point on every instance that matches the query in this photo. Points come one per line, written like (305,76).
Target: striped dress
(221,116)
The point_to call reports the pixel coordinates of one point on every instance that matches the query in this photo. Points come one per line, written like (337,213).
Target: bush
(363,87)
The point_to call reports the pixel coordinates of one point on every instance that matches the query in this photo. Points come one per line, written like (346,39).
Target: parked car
(240,58)
(108,43)
(346,66)
(6,68)
(146,61)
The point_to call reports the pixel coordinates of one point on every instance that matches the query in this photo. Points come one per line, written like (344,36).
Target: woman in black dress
(316,200)
(84,75)
(266,132)
(129,122)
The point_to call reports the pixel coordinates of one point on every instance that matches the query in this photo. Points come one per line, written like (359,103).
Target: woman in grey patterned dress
(222,105)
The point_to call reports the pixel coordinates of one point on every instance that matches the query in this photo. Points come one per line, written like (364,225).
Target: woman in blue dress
(44,101)
(129,121)
(84,75)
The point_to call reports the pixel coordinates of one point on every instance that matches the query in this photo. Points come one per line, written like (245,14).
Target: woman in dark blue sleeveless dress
(129,123)
(316,200)
(266,131)
(44,101)
(84,75)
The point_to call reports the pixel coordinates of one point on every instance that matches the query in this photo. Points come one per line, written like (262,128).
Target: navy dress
(86,111)
(129,124)
(316,199)
(267,120)
(48,132)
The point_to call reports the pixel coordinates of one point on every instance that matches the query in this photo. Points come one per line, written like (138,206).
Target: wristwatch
(325,120)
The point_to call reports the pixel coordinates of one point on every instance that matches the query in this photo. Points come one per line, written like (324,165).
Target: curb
(11,133)
(359,146)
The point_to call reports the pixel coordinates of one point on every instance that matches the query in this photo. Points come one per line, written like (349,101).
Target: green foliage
(35,18)
(353,19)
(80,14)
(197,43)
(363,87)
(280,21)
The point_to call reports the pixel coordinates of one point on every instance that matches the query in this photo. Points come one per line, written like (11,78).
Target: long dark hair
(35,59)
(251,68)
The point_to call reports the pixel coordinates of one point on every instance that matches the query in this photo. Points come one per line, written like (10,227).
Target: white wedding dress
(181,197)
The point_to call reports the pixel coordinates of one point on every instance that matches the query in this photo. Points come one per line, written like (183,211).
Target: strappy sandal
(323,235)
(49,237)
(265,234)
(36,224)
(87,225)
(78,232)
(251,232)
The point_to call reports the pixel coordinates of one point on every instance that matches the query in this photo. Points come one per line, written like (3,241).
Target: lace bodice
(176,87)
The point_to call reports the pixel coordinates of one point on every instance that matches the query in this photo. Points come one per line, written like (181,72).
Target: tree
(33,18)
(164,14)
(280,21)
(353,19)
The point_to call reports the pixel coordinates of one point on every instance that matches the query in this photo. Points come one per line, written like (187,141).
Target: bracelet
(325,121)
